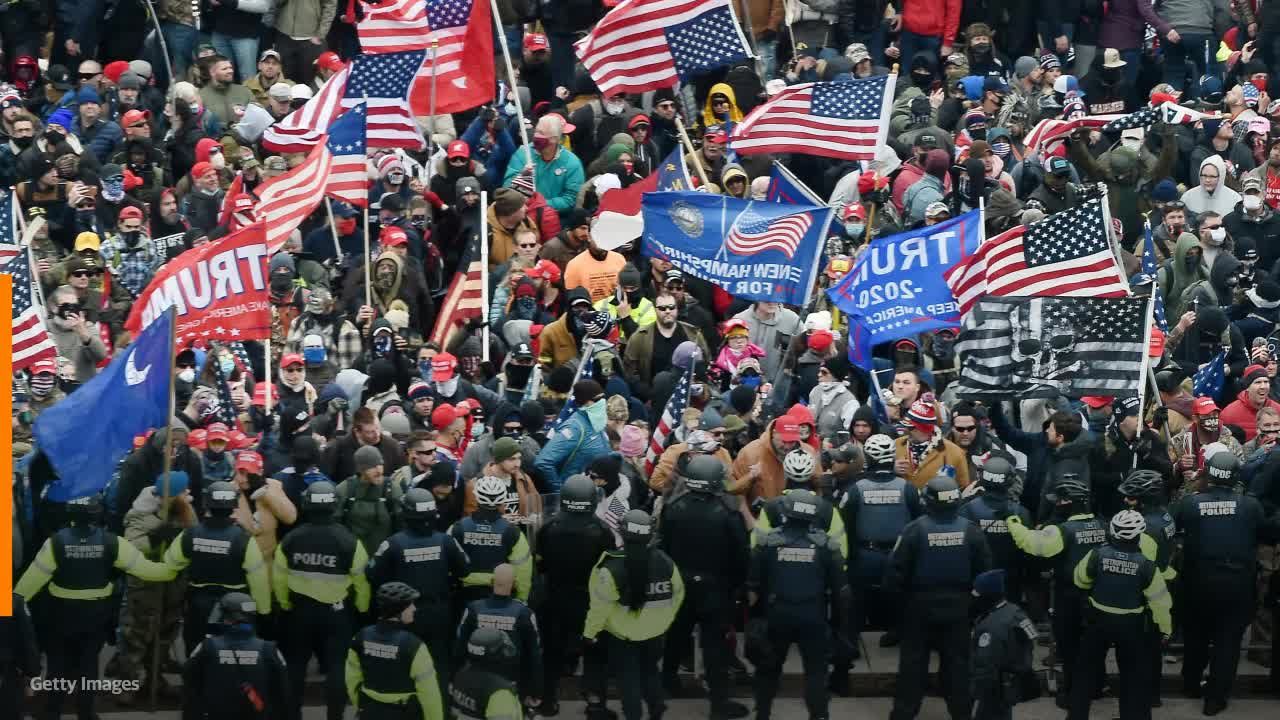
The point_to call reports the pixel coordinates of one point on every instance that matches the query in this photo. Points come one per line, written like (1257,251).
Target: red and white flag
(670,420)
(1050,128)
(844,120)
(462,61)
(461,303)
(287,200)
(31,341)
(302,129)
(394,26)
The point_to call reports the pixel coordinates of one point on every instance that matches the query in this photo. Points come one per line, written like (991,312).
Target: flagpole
(166,492)
(164,47)
(1146,364)
(431,111)
(333,229)
(511,83)
(484,275)
(688,146)
(28,236)
(266,360)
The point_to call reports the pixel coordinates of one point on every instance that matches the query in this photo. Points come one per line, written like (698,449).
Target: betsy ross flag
(394,26)
(1051,128)
(462,301)
(382,83)
(9,235)
(286,200)
(670,419)
(31,341)
(463,58)
(844,120)
(753,233)
(644,45)
(349,176)
(1209,380)
(1066,254)
(302,129)
(1044,347)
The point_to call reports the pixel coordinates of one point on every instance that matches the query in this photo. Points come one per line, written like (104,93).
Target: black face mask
(1111,76)
(634,297)
(518,375)
(978,133)
(922,80)
(54,138)
(281,283)
(23,142)
(981,50)
(131,238)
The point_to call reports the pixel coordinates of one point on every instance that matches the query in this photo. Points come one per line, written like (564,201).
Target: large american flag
(9,245)
(671,416)
(349,176)
(462,301)
(382,83)
(1066,254)
(285,201)
(1051,128)
(394,26)
(301,130)
(31,341)
(845,120)
(1044,347)
(644,45)
(753,233)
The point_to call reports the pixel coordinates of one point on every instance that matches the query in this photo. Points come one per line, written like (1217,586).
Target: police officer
(221,557)
(480,690)
(568,547)
(513,617)
(1123,586)
(796,575)
(934,564)
(635,595)
(709,544)
(316,566)
(1000,660)
(988,510)
(490,540)
(798,468)
(1221,530)
(233,674)
(430,562)
(389,671)
(1143,491)
(80,564)
(875,508)
(1074,532)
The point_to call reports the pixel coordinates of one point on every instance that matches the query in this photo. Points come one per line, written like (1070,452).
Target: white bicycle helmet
(491,492)
(798,466)
(880,449)
(1128,525)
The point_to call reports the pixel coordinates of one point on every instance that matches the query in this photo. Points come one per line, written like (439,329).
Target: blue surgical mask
(315,354)
(227,365)
(424,369)
(854,230)
(751,381)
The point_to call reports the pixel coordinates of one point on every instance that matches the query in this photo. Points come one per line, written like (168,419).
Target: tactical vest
(943,562)
(821,519)
(231,661)
(989,514)
(472,689)
(796,570)
(1078,537)
(1221,543)
(85,559)
(386,654)
(883,512)
(1161,529)
(423,565)
(326,549)
(502,616)
(487,543)
(1119,577)
(216,554)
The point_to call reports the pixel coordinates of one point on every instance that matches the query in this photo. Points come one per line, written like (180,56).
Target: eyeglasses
(717,103)
(423,453)
(965,429)
(1209,175)
(137,126)
(527,245)
(183,366)
(664,308)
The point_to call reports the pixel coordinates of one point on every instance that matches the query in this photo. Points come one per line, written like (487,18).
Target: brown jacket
(660,480)
(948,453)
(765,15)
(638,359)
(530,500)
(502,242)
(273,509)
(771,481)
(556,344)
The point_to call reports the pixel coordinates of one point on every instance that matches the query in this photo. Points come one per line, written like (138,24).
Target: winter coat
(638,359)
(558,180)
(833,410)
(150,532)
(338,458)
(1263,228)
(305,18)
(942,452)
(772,480)
(263,512)
(1123,25)
(569,450)
(932,18)
(1222,200)
(99,138)
(664,473)
(1244,415)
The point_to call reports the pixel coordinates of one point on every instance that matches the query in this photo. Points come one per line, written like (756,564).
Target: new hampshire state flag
(86,435)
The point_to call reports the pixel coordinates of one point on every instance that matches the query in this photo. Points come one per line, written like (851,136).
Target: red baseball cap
(197,439)
(1097,402)
(534,42)
(249,461)
(546,270)
(1204,406)
(201,169)
(217,432)
(114,70)
(787,429)
(458,149)
(329,60)
(130,212)
(393,236)
(443,366)
(133,117)
(44,366)
(291,359)
(260,394)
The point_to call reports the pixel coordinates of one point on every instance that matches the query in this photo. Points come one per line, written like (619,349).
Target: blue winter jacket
(570,450)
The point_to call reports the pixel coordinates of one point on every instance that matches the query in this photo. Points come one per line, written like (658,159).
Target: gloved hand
(1160,417)
(1013,520)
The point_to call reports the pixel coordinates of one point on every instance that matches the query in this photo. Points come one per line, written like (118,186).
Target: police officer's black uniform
(516,619)
(988,510)
(1143,490)
(479,690)
(1000,659)
(567,548)
(1221,530)
(710,545)
(233,674)
(389,671)
(796,576)
(934,564)
(429,561)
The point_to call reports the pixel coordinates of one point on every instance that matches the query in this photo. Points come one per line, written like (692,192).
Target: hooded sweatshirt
(1222,200)
(1175,277)
(735,114)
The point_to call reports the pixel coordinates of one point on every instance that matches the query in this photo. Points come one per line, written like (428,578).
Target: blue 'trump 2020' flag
(87,434)
(756,250)
(896,289)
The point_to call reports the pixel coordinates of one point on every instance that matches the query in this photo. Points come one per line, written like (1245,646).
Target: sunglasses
(513,428)
(664,308)
(527,245)
(89,76)
(85,273)
(966,429)
(138,126)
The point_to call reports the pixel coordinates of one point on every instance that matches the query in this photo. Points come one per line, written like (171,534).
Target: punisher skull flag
(1028,347)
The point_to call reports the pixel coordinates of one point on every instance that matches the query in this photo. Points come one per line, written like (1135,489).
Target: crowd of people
(450,521)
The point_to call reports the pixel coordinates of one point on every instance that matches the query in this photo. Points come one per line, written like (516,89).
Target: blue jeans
(181,42)
(1134,58)
(768,51)
(1191,48)
(910,43)
(242,51)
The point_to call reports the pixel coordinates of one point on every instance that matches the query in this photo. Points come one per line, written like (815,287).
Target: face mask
(978,133)
(346,226)
(1251,202)
(187,375)
(217,160)
(598,415)
(54,137)
(207,191)
(854,230)
(613,107)
(23,143)
(424,369)
(295,386)
(628,166)
(1210,424)
(526,308)
(922,81)
(227,365)
(382,345)
(1001,148)
(980,49)
(395,178)
(541,143)
(751,381)
(695,389)
(634,297)
(1191,262)
(828,384)
(315,355)
(447,387)
(42,384)
(1217,235)
(131,237)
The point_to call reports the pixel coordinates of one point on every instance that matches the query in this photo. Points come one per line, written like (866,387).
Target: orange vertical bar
(6,447)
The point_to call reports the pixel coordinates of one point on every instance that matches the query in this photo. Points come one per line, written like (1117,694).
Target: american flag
(644,45)
(1050,128)
(1042,347)
(1210,379)
(9,245)
(382,83)
(1066,254)
(1141,118)
(31,341)
(589,348)
(463,60)
(349,176)
(1175,114)
(1149,275)
(226,406)
(462,301)
(670,419)
(844,120)
(394,26)
(303,128)
(286,200)
(753,233)
(227,213)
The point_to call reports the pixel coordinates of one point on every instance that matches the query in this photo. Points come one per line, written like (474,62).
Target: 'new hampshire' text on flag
(88,433)
(691,230)
(1209,379)
(897,290)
